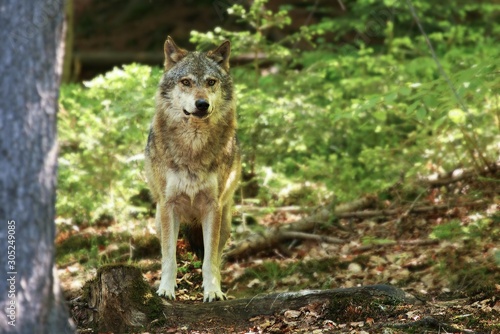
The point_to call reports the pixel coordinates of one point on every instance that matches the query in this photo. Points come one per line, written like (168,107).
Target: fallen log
(458,175)
(276,235)
(119,300)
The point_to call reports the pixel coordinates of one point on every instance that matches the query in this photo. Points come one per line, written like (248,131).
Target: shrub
(339,119)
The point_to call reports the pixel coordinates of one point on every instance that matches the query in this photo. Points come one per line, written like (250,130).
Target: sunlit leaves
(101,125)
(349,116)
(457,116)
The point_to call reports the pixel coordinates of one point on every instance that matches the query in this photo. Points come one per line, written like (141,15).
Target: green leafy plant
(102,132)
(353,121)
(337,116)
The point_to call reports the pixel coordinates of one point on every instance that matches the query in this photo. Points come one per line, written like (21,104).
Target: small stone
(354,268)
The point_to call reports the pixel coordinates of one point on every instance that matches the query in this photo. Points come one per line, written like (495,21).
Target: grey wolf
(192,161)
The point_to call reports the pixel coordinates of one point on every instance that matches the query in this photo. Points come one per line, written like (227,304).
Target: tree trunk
(69,11)
(30,61)
(118,300)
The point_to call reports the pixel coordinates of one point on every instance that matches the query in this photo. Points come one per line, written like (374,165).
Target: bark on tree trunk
(30,61)
(119,300)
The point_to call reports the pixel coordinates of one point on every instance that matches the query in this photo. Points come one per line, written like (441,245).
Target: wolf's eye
(211,82)
(186,82)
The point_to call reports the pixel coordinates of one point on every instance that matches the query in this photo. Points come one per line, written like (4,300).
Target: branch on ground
(273,237)
(302,229)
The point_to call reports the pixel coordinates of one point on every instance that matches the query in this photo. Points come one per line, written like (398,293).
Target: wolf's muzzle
(201,109)
(202,105)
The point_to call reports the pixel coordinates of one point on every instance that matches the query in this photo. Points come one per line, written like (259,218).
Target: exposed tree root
(119,300)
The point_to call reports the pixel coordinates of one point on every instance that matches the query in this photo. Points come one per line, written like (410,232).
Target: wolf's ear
(221,55)
(173,53)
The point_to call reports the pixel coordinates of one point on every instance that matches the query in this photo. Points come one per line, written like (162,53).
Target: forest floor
(446,254)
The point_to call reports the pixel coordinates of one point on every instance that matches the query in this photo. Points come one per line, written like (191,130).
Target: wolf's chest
(183,183)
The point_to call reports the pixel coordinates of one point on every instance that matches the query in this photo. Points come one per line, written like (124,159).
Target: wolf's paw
(211,296)
(170,295)
(167,290)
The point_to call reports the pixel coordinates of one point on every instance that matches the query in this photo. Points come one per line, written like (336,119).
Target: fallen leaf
(292,314)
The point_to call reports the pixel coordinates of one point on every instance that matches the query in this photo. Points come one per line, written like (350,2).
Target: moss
(73,244)
(359,307)
(146,246)
(85,247)
(142,295)
(87,288)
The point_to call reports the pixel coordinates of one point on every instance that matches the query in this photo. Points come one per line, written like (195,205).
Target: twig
(308,19)
(419,242)
(341,4)
(407,212)
(387,212)
(70,263)
(310,236)
(265,210)
(418,209)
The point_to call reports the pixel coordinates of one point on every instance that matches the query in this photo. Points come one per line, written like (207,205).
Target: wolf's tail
(193,233)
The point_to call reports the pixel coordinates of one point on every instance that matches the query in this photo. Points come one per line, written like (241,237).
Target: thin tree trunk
(30,62)
(69,11)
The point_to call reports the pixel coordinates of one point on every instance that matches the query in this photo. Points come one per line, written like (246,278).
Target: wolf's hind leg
(169,231)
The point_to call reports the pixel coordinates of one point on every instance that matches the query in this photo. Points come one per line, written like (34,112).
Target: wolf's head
(196,86)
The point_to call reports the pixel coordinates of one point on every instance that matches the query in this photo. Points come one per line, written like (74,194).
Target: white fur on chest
(181,183)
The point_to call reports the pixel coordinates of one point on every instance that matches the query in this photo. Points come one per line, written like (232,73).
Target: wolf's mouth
(197,113)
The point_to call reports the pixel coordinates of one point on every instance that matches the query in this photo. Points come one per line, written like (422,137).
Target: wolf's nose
(202,105)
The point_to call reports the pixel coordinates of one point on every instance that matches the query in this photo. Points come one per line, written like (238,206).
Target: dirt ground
(447,257)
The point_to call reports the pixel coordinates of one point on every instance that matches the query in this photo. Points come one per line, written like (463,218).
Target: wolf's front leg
(211,264)
(169,231)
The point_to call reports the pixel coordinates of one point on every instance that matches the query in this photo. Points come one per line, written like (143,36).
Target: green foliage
(103,128)
(271,273)
(340,116)
(372,241)
(497,257)
(455,229)
(448,231)
(353,121)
